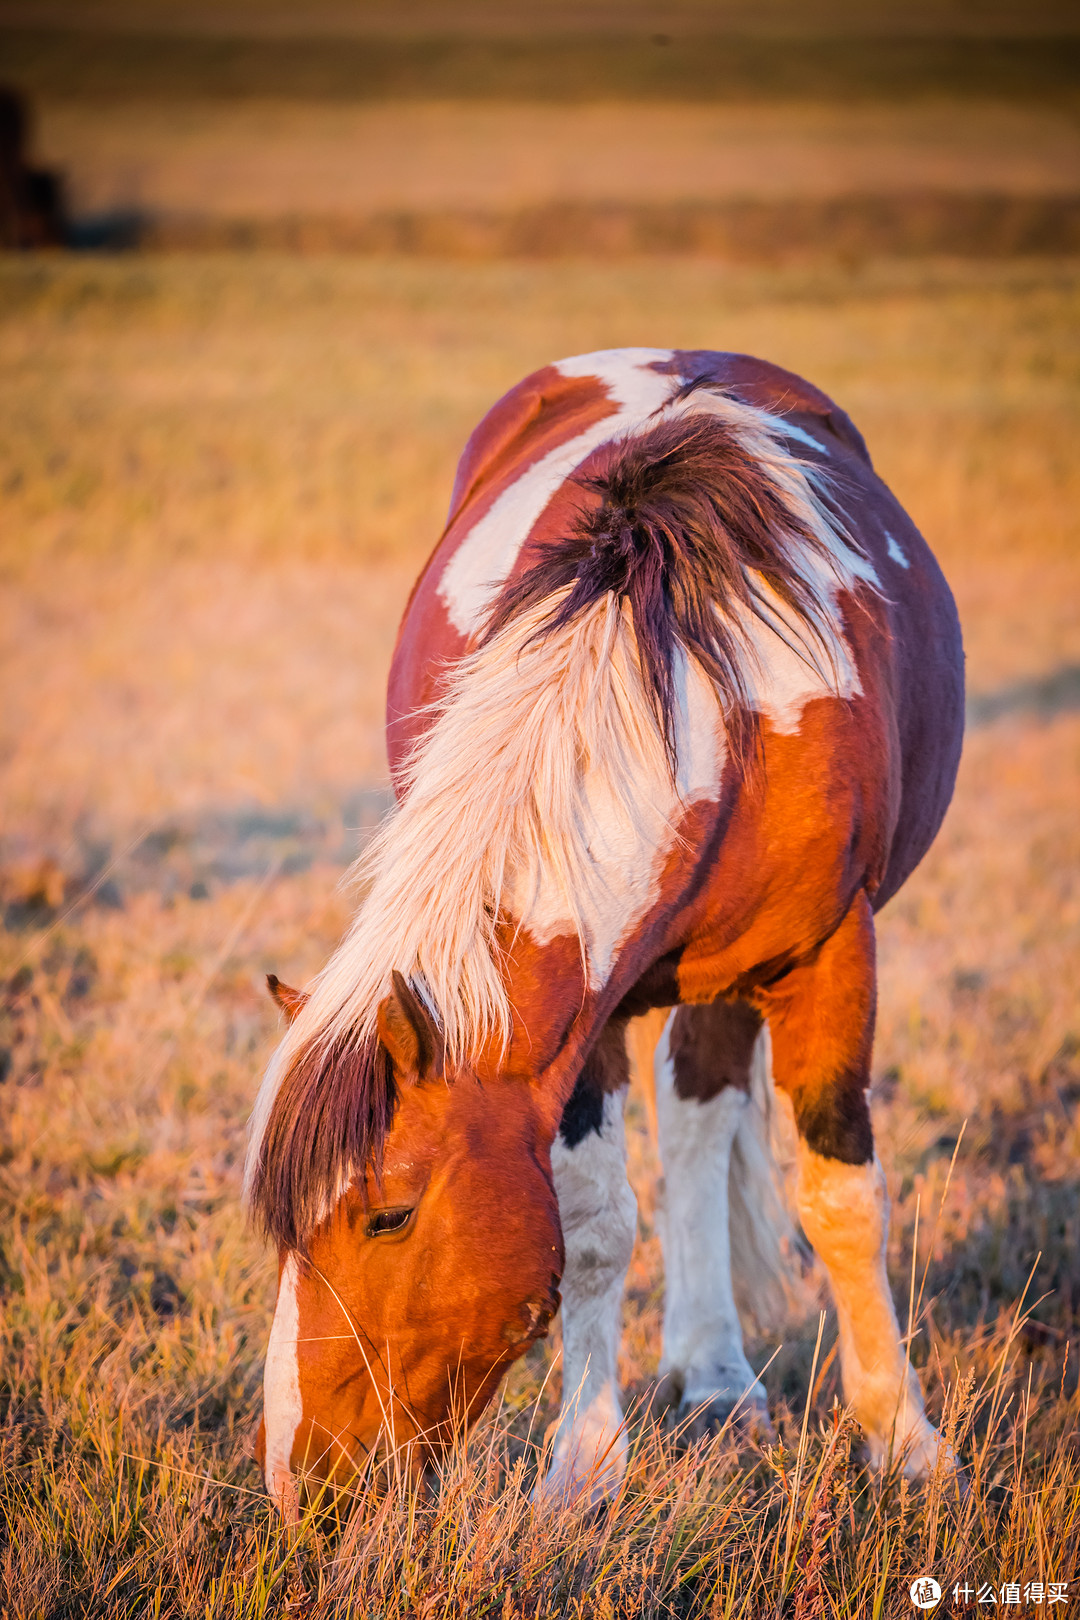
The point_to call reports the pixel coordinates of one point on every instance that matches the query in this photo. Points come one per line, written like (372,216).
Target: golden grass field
(219,477)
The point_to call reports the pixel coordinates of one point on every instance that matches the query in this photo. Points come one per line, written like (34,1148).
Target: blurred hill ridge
(679,66)
(489,129)
(510,19)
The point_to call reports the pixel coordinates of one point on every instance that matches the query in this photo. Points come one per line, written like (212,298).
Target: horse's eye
(388,1220)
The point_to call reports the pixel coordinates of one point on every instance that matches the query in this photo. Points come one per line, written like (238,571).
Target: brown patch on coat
(526,424)
(770,388)
(605,1071)
(712,1047)
(821,1018)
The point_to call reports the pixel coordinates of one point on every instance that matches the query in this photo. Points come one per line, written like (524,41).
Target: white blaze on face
(483,562)
(282,1406)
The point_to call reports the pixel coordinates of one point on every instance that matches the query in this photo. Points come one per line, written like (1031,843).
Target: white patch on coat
(483,562)
(625,847)
(282,1404)
(598,1213)
(781,674)
(844,1210)
(790,431)
(703,1342)
(894,551)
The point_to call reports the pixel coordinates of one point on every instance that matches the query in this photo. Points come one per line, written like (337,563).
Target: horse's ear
(289,1000)
(409,1033)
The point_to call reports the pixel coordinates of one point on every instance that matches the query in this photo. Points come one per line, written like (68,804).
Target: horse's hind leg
(821,1019)
(598,1213)
(703,1063)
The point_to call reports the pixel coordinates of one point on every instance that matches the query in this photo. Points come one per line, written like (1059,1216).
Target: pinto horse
(676,706)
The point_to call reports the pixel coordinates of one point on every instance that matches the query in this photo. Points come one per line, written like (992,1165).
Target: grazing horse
(676,706)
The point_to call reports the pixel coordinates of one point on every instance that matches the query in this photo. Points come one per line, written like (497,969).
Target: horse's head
(424,1282)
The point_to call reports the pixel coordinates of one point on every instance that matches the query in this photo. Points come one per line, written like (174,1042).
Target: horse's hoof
(745,1420)
(569,1492)
(665,1397)
(923,1455)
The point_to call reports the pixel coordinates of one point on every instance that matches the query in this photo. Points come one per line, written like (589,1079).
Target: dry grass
(220,477)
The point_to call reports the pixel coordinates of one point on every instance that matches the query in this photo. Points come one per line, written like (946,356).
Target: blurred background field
(219,474)
(488,129)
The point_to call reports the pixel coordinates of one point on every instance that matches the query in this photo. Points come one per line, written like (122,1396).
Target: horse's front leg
(598,1214)
(821,1017)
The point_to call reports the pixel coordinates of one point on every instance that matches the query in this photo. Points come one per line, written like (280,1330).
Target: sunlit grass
(220,479)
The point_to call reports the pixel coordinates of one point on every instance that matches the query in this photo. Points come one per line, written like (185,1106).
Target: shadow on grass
(1042,697)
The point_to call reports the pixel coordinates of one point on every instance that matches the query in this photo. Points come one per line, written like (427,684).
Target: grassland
(219,477)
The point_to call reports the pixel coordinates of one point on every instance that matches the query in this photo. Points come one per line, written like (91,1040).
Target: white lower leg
(844,1210)
(703,1344)
(598,1214)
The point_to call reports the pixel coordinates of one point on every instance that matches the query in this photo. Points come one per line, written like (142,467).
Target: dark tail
(684,524)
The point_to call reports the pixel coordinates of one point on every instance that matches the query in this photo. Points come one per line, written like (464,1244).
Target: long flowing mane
(689,530)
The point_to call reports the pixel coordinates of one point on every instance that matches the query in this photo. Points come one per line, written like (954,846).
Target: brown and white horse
(676,706)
